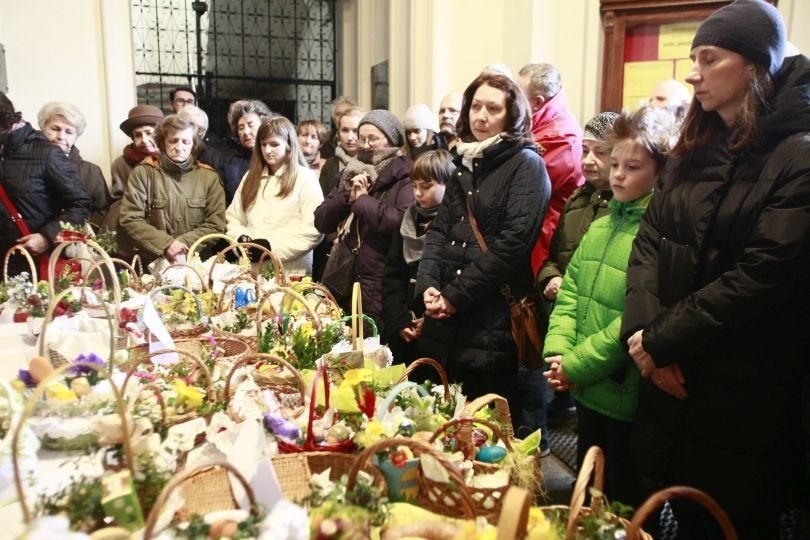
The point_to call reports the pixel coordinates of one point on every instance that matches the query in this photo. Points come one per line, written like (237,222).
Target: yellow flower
(60,392)
(540,528)
(187,394)
(354,377)
(373,432)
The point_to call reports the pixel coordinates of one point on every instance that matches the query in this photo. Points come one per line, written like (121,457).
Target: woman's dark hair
(433,165)
(282,128)
(175,123)
(701,127)
(518,125)
(8,117)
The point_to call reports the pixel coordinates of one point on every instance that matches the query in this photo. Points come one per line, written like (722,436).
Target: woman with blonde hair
(275,204)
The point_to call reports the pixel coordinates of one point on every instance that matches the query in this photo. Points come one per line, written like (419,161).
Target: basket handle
(137,264)
(178,479)
(130,269)
(680,492)
(323,374)
(39,391)
(593,463)
(357,317)
(327,298)
(55,299)
(57,251)
(192,250)
(425,361)
(466,421)
(423,448)
(392,395)
(502,413)
(514,518)
(281,276)
(210,392)
(252,359)
(25,253)
(203,284)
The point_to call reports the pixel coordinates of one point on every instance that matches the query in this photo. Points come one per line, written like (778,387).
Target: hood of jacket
(11,140)
(789,112)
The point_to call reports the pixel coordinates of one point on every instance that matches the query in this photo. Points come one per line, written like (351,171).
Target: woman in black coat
(718,298)
(41,183)
(501,176)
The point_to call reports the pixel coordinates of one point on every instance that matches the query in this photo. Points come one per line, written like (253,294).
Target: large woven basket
(592,465)
(205,489)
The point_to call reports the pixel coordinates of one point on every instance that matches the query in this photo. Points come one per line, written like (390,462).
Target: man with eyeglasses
(180,97)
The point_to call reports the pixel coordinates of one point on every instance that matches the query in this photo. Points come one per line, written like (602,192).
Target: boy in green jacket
(582,346)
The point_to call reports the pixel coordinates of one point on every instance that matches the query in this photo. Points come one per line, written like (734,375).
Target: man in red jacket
(559,141)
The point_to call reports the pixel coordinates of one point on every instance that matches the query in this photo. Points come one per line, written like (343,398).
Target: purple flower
(92,358)
(25,376)
(277,425)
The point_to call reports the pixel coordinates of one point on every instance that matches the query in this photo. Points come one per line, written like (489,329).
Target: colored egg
(491,454)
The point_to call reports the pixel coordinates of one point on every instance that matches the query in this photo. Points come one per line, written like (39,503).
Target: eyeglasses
(181,101)
(371,141)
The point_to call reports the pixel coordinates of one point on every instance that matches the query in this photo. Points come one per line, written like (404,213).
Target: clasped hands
(669,379)
(436,305)
(360,185)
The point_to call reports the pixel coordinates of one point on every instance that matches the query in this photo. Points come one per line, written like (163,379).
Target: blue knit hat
(751,28)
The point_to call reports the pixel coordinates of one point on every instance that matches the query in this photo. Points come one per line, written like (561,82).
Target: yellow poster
(682,69)
(641,77)
(675,40)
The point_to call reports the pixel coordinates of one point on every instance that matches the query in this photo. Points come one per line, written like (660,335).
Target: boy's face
(632,171)
(428,193)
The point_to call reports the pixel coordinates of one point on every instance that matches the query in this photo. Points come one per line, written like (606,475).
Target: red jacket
(559,141)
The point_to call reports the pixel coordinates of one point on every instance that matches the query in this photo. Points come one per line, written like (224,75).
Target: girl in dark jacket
(502,179)
(716,314)
(41,183)
(368,203)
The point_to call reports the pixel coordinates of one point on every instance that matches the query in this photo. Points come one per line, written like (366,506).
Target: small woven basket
(286,383)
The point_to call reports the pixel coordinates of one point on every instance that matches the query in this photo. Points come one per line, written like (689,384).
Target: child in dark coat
(402,313)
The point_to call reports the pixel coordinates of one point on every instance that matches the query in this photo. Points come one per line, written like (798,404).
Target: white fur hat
(419,116)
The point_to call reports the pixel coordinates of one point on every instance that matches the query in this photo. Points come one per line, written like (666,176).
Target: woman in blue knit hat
(718,294)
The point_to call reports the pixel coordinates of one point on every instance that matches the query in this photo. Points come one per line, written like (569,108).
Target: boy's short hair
(655,130)
(433,165)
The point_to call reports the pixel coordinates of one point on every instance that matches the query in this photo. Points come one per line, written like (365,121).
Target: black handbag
(340,271)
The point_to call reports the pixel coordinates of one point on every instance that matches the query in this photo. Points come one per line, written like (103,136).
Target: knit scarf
(343,157)
(312,159)
(133,155)
(173,168)
(371,162)
(413,236)
(473,150)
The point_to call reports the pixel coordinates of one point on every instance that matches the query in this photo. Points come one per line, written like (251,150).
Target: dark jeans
(613,437)
(533,390)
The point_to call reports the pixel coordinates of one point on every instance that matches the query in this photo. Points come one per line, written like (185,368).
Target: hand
(35,243)
(556,377)
(417,325)
(641,357)
(670,379)
(552,288)
(175,248)
(431,297)
(408,334)
(359,187)
(440,309)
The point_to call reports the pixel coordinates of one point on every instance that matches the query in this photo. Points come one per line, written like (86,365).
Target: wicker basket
(205,489)
(645,511)
(592,464)
(233,349)
(290,389)
(280,275)
(294,471)
(180,333)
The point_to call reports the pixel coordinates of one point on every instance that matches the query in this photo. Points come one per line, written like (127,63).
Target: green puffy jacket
(587,316)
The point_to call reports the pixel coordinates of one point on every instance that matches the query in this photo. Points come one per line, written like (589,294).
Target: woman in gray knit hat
(716,314)
(367,206)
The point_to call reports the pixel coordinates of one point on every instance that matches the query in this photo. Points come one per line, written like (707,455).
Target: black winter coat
(719,280)
(378,215)
(231,160)
(42,183)
(509,191)
(95,184)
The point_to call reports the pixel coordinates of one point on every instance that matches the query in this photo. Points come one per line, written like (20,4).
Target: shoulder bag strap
(16,217)
(474,225)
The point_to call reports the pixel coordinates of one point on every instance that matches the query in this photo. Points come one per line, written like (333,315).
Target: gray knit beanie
(386,122)
(751,28)
(600,126)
